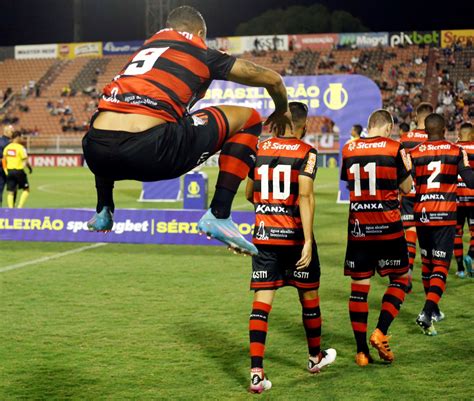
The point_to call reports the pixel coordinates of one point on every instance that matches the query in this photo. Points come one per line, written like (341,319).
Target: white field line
(48,258)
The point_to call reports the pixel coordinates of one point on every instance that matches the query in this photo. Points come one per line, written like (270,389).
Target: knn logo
(335,97)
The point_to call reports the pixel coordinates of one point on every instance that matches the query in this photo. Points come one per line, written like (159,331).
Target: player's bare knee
(308,295)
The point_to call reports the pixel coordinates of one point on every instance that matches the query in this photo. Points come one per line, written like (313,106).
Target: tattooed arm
(247,73)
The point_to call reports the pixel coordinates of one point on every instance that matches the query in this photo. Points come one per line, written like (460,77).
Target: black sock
(105,197)
(221,203)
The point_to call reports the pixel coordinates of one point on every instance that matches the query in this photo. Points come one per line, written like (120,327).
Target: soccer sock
(425,274)
(359,313)
(391,302)
(105,193)
(236,158)
(312,324)
(23,198)
(437,286)
(458,247)
(10,199)
(410,236)
(258,326)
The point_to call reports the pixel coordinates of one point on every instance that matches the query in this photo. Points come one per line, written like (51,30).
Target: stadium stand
(59,111)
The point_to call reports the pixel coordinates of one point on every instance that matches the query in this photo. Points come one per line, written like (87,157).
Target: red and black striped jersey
(279,163)
(436,165)
(374,167)
(465,196)
(409,141)
(166,76)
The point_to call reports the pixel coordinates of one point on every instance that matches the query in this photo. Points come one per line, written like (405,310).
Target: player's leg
(358,265)
(393,262)
(458,241)
(25,186)
(11,188)
(238,146)
(103,219)
(3,181)
(258,328)
(469,258)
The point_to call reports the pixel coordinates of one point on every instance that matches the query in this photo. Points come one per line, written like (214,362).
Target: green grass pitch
(142,322)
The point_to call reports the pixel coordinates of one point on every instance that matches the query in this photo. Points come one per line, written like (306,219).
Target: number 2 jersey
(374,168)
(279,163)
(166,76)
(465,196)
(436,165)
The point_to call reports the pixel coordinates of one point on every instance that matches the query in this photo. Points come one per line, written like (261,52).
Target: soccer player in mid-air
(409,140)
(281,189)
(465,211)
(376,168)
(14,162)
(143,130)
(436,164)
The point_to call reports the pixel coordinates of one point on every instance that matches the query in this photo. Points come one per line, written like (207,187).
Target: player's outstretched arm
(306,199)
(465,171)
(247,73)
(405,186)
(249,190)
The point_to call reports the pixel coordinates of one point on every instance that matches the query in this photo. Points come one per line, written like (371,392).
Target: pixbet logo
(415,38)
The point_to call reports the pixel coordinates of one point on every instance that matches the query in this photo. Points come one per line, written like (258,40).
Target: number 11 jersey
(374,168)
(280,162)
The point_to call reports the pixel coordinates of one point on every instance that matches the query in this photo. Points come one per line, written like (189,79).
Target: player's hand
(278,122)
(30,170)
(306,254)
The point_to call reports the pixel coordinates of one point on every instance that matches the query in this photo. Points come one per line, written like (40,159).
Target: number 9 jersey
(280,161)
(374,168)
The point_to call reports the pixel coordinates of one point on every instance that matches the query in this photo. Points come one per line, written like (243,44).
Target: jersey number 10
(278,172)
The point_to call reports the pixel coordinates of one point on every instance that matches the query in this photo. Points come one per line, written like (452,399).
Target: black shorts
(16,179)
(275,267)
(408,217)
(163,152)
(388,257)
(436,242)
(463,214)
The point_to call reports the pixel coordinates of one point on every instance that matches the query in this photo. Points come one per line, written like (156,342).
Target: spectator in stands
(67,110)
(256,44)
(7,94)
(66,91)
(37,90)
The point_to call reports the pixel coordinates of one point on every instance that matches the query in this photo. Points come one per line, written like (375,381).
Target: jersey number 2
(436,166)
(144,61)
(277,192)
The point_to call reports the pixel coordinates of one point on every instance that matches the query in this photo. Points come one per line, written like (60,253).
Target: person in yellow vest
(14,161)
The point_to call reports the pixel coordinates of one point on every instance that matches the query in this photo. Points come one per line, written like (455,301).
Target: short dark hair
(435,124)
(404,127)
(466,125)
(186,18)
(358,128)
(424,108)
(379,118)
(299,112)
(16,134)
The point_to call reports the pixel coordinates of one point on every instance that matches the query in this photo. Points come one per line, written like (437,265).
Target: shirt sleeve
(24,154)
(404,165)
(309,166)
(219,64)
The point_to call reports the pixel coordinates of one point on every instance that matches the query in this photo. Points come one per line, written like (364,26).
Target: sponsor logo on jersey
(366,145)
(259,274)
(357,207)
(424,217)
(423,252)
(11,152)
(197,121)
(357,232)
(389,262)
(438,254)
(310,165)
(350,264)
(415,134)
(261,233)
(429,197)
(264,209)
(298,274)
(279,146)
(424,147)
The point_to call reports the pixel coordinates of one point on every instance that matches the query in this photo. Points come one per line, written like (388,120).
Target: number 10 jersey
(374,168)
(279,163)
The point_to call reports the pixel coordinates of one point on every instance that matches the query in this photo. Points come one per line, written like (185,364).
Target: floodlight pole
(77,20)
